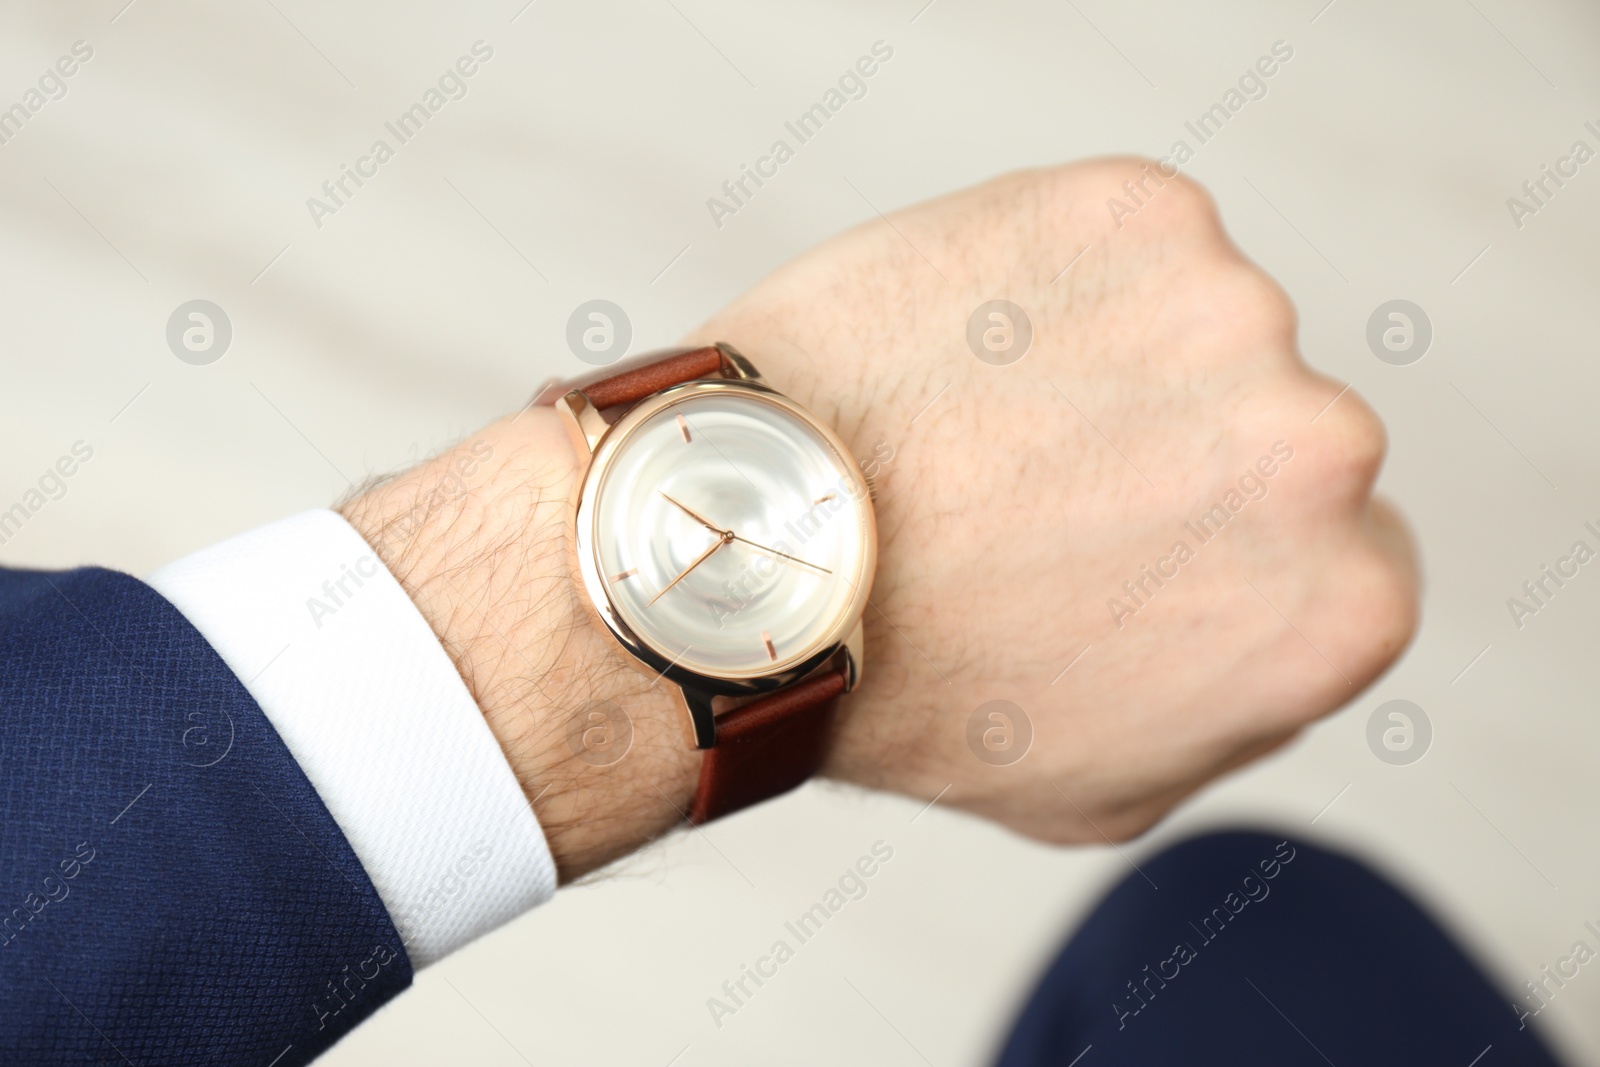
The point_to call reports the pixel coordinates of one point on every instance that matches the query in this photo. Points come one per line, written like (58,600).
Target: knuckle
(1119,831)
(1179,197)
(1349,443)
(1228,313)
(1115,191)
(1381,605)
(1131,823)
(1140,180)
(1251,307)
(1166,204)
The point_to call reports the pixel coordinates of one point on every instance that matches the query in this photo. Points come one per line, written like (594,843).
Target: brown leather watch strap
(636,384)
(767,747)
(634,379)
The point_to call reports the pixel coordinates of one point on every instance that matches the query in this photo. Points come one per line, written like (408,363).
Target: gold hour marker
(629,573)
(766,639)
(824,498)
(683,428)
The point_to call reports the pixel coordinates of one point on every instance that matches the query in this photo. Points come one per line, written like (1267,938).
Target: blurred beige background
(178,165)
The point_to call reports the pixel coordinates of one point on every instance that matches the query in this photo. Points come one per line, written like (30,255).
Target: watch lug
(583,421)
(852,654)
(743,369)
(699,721)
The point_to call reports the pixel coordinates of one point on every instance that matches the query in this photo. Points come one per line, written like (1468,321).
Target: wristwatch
(725,538)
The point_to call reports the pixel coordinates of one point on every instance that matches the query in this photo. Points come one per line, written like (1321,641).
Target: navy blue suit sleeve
(172,889)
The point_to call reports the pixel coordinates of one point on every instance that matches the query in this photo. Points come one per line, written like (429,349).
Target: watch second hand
(785,555)
(724,539)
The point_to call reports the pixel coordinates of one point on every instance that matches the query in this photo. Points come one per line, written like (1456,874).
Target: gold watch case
(840,644)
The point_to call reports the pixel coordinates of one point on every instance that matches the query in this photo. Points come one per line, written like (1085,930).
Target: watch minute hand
(724,539)
(785,555)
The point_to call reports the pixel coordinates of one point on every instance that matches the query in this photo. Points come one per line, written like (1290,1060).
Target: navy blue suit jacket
(172,889)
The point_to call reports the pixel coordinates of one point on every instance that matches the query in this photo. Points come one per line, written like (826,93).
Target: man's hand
(1154,533)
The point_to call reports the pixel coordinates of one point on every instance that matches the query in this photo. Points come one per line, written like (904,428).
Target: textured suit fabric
(1240,948)
(172,890)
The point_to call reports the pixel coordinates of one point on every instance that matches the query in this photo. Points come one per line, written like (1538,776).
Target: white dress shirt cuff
(369,704)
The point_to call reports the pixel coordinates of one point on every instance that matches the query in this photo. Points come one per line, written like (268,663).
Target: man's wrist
(479,537)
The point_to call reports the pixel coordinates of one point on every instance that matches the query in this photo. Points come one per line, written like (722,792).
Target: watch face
(730,533)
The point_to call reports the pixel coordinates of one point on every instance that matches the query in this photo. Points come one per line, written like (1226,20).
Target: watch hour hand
(724,539)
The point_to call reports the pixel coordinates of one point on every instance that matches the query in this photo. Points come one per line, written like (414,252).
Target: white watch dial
(732,536)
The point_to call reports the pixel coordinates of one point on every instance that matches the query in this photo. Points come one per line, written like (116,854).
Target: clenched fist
(1119,501)
(1158,494)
